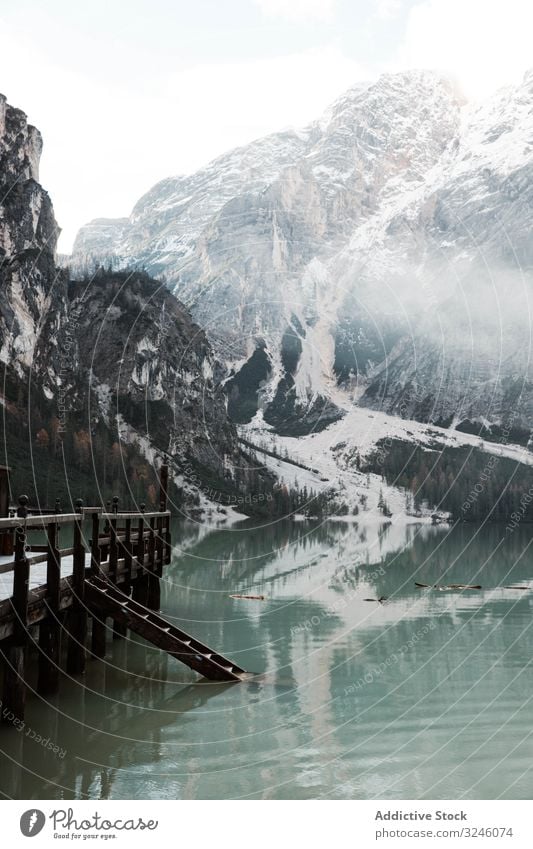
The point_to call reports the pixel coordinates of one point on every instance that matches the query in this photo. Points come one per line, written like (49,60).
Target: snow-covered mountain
(382,254)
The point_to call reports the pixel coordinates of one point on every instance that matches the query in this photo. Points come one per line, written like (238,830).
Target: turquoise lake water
(425,695)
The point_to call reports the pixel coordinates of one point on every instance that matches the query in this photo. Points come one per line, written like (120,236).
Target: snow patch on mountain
(324,462)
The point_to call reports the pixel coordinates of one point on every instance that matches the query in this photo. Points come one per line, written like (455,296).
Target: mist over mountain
(381,255)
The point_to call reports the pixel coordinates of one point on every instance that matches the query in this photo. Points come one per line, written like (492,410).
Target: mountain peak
(308,246)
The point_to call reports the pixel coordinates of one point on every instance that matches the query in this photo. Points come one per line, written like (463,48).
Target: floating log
(463,587)
(250,597)
(448,586)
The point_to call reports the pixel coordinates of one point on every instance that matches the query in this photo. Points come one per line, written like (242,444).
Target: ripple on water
(425,696)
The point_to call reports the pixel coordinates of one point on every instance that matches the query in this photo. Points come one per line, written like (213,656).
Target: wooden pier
(111,571)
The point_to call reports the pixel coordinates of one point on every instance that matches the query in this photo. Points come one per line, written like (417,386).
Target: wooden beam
(99,628)
(77,618)
(163,487)
(14,691)
(39,522)
(21,579)
(50,628)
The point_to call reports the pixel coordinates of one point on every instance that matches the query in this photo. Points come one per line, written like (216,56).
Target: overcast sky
(128,93)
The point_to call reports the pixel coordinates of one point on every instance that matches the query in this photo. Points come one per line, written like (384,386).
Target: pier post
(159,547)
(154,593)
(14,694)
(163,487)
(119,629)
(140,587)
(98,636)
(154,587)
(166,547)
(151,545)
(127,548)
(168,542)
(113,553)
(50,628)
(77,618)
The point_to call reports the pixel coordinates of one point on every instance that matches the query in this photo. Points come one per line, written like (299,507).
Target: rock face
(385,249)
(144,364)
(106,377)
(28,234)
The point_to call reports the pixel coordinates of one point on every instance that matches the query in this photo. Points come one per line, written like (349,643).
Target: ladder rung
(207,661)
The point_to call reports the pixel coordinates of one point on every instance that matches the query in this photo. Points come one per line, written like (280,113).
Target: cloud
(103,148)
(388,9)
(483,44)
(228,104)
(298,10)
(109,136)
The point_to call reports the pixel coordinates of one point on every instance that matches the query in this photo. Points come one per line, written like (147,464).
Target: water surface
(426,695)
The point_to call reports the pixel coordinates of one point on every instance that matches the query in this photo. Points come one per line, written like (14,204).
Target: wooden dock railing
(127,549)
(111,570)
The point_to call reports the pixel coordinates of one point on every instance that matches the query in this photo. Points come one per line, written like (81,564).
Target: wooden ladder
(104,596)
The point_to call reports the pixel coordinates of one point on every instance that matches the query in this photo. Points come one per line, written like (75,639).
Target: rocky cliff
(30,282)
(104,378)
